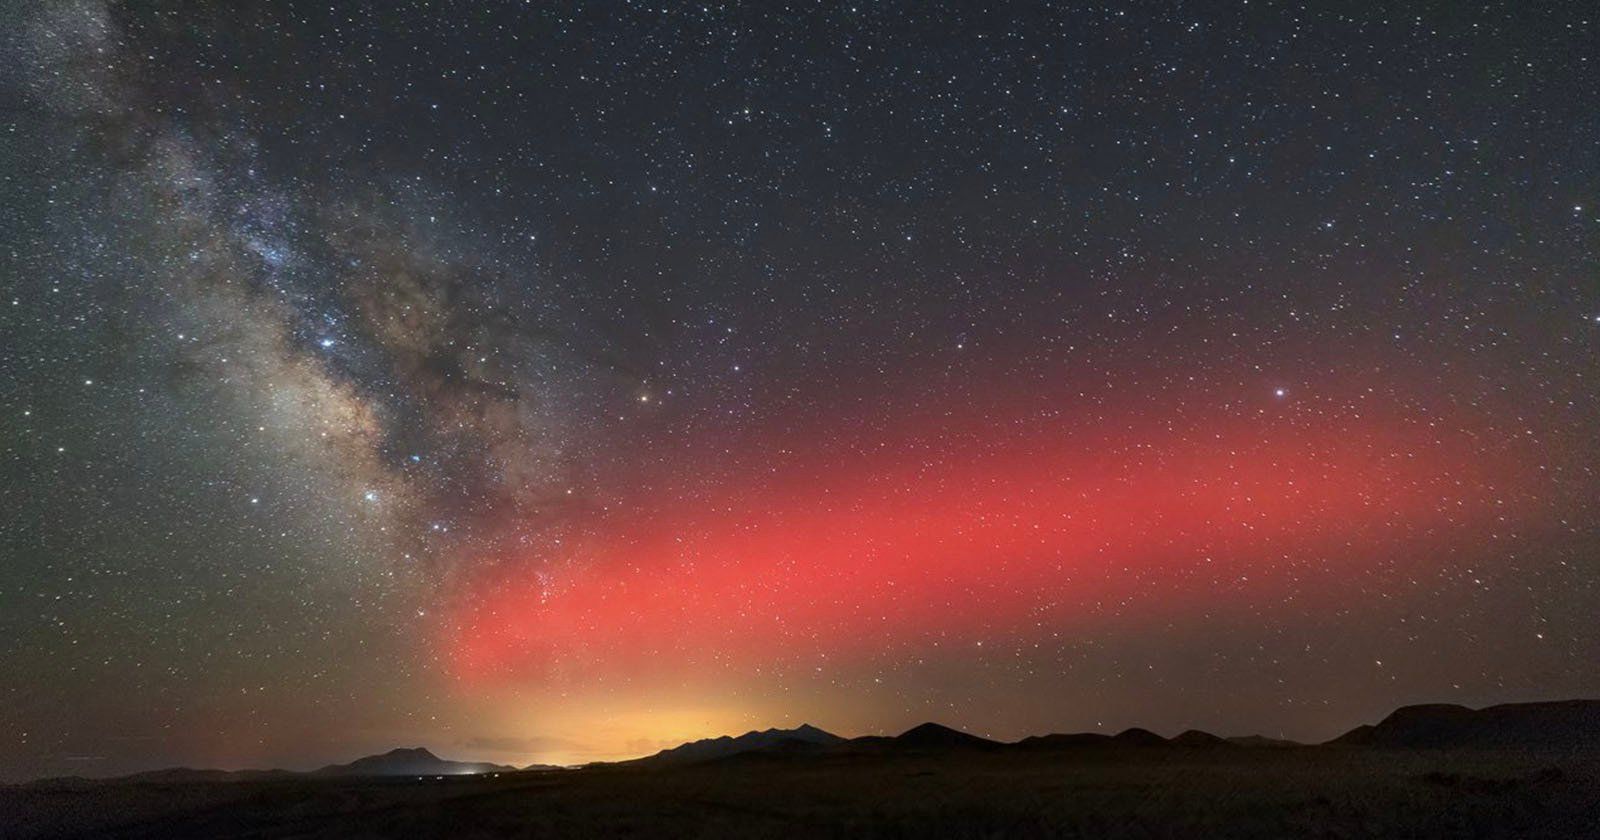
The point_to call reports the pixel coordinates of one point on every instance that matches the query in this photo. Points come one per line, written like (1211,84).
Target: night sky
(535,382)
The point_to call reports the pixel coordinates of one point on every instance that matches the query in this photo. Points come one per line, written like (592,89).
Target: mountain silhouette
(1136,737)
(415,761)
(1262,741)
(1064,741)
(1523,770)
(1197,738)
(936,736)
(1571,724)
(708,749)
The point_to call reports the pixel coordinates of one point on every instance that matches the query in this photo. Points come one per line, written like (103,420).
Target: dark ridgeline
(412,761)
(1196,738)
(1519,770)
(1560,725)
(1058,741)
(1136,737)
(416,761)
(937,736)
(800,739)
(1261,741)
(1571,724)
(924,737)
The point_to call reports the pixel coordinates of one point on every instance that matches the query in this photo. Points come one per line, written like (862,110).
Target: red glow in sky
(941,543)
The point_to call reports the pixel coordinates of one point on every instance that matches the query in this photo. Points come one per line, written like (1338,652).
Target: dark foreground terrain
(1157,791)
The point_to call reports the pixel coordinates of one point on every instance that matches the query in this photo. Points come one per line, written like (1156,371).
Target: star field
(551,382)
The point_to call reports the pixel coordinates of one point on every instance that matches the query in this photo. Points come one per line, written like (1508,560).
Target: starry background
(545,382)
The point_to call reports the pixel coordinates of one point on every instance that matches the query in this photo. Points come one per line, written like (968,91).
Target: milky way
(549,383)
